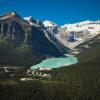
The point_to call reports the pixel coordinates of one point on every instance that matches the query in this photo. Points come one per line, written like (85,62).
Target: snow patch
(28,19)
(48,23)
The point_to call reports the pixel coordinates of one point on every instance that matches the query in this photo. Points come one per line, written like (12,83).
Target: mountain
(48,23)
(32,40)
(34,22)
(26,41)
(24,34)
(75,35)
(52,31)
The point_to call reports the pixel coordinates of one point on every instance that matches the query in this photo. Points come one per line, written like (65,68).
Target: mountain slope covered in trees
(76,82)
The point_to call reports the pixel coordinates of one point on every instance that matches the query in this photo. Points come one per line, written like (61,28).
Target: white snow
(28,19)
(91,26)
(13,13)
(48,23)
(81,31)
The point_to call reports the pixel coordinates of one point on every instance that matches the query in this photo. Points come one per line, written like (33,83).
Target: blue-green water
(57,62)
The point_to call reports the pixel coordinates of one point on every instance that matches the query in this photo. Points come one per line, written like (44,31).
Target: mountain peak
(8,15)
(82,23)
(14,13)
(28,18)
(48,23)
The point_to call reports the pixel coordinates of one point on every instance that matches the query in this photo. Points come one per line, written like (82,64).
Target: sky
(59,11)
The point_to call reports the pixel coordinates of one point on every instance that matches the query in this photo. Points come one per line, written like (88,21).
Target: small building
(75,51)
(26,79)
(45,68)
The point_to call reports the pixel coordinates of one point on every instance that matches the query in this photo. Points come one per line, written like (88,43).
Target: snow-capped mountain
(72,35)
(92,26)
(48,23)
(81,32)
(34,22)
(29,19)
(47,37)
(28,31)
(51,27)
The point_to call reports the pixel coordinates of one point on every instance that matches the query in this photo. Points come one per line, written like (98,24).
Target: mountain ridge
(25,44)
(68,36)
(72,35)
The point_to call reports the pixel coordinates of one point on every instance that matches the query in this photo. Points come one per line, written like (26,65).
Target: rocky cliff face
(12,26)
(19,30)
(77,36)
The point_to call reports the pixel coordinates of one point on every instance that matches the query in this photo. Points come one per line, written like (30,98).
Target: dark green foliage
(21,91)
(16,55)
(91,54)
(75,82)
(83,79)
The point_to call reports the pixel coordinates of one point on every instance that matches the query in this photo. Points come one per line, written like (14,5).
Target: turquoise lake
(57,62)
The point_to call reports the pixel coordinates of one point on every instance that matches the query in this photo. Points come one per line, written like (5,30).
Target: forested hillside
(75,82)
(12,54)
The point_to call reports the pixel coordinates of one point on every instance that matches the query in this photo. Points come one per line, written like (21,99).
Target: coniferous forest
(49,49)
(75,82)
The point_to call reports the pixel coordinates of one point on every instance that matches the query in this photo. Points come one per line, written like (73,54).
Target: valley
(45,61)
